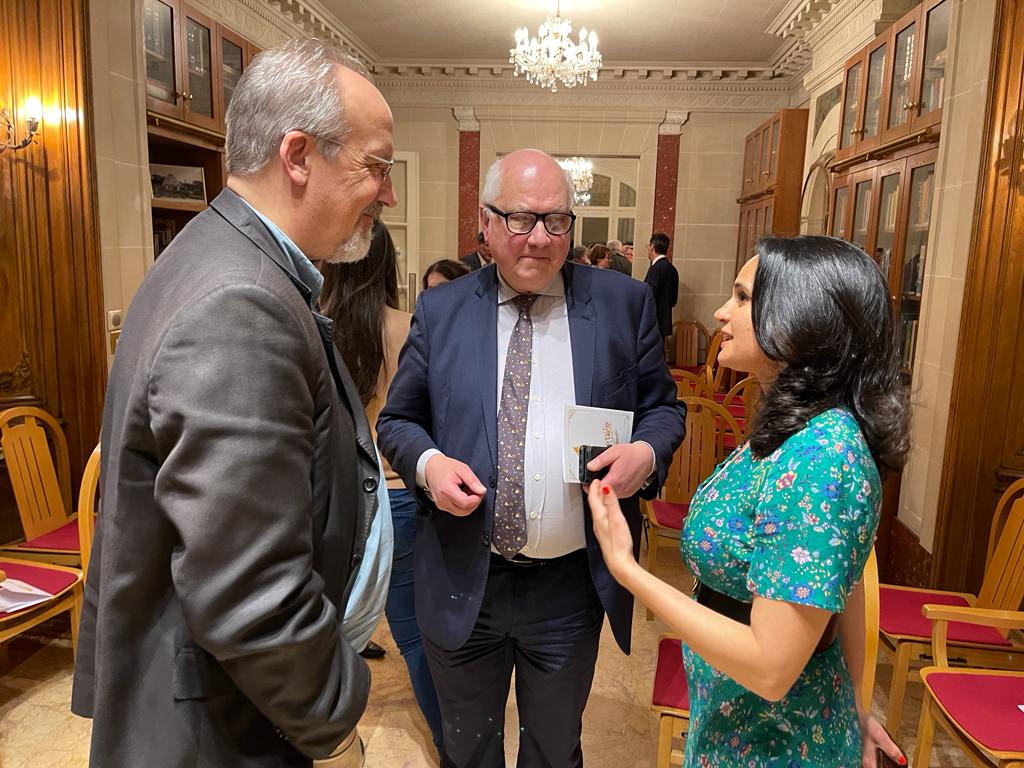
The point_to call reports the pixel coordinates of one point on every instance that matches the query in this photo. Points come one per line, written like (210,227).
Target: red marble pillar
(665,184)
(469,190)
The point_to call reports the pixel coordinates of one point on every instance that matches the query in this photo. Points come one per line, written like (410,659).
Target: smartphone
(587,454)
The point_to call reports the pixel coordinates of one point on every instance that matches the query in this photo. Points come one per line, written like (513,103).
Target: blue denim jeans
(400,609)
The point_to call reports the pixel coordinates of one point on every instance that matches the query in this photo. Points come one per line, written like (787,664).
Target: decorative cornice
(673,123)
(799,17)
(461,70)
(466,118)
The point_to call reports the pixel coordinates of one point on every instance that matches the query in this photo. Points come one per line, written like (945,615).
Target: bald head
(524,164)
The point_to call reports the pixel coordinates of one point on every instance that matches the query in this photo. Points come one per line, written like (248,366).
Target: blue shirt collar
(307,273)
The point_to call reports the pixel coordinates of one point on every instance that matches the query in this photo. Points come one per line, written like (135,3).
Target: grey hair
(492,184)
(615,245)
(287,88)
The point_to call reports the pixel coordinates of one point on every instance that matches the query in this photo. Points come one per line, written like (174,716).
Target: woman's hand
(611,529)
(874,737)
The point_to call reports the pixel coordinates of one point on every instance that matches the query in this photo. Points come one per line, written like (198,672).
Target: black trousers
(544,621)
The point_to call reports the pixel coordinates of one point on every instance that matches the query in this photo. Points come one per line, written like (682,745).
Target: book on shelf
(913,272)
(908,342)
(889,210)
(923,207)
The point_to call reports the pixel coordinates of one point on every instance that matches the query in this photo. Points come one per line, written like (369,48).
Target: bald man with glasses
(508,573)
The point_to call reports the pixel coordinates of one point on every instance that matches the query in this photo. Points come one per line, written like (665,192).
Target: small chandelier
(581,174)
(552,57)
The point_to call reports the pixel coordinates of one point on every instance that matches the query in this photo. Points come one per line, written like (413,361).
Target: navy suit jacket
(444,396)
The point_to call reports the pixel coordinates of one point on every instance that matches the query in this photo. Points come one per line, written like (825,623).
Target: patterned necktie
(509,534)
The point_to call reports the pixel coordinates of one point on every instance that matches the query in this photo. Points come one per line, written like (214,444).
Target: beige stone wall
(957,170)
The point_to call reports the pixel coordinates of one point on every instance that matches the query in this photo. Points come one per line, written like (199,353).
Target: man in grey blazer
(228,583)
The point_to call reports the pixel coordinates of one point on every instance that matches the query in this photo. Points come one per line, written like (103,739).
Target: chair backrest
(701,450)
(747,391)
(41,479)
(1003,585)
(691,385)
(871,609)
(1010,495)
(87,507)
(691,336)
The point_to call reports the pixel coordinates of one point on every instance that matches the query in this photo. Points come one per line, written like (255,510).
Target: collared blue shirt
(304,268)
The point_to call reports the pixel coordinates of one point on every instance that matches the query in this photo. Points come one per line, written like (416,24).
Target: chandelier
(552,57)
(581,174)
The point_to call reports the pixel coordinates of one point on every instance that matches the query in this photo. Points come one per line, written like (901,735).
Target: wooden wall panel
(51,307)
(985,439)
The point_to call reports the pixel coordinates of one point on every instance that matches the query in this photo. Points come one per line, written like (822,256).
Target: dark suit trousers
(544,621)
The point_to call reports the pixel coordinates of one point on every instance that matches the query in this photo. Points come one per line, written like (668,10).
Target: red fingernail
(903,760)
(606,489)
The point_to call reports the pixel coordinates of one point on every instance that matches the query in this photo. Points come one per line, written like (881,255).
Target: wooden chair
(691,337)
(691,384)
(670,698)
(978,708)
(744,397)
(906,635)
(42,485)
(87,507)
(65,584)
(707,425)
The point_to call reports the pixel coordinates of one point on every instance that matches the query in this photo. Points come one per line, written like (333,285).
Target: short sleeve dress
(796,526)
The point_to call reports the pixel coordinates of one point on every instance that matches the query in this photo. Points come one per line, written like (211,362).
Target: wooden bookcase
(773,163)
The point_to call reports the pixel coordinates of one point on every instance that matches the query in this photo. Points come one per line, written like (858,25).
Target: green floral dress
(797,526)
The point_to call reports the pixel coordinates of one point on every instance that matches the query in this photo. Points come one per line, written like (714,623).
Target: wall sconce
(33,115)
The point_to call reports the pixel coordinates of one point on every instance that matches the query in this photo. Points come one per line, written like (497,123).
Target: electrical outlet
(114,318)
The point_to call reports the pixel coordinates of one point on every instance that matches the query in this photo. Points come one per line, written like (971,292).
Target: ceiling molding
(460,70)
(800,17)
(312,19)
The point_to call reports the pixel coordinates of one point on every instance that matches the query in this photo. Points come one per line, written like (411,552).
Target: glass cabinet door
(851,107)
(933,71)
(861,214)
(232,64)
(915,252)
(766,151)
(768,218)
(888,216)
(158,20)
(873,93)
(774,159)
(902,79)
(199,70)
(840,203)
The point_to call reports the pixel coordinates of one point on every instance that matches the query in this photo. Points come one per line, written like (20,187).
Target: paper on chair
(583,425)
(16,595)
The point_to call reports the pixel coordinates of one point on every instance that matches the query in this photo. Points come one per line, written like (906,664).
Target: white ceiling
(633,31)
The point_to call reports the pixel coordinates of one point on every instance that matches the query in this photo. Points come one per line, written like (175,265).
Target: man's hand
(629,465)
(453,485)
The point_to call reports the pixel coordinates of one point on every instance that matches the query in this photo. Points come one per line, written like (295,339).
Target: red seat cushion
(899,613)
(670,689)
(697,369)
(63,539)
(46,579)
(669,514)
(985,706)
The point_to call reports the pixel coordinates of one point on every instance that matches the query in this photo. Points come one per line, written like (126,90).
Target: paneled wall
(51,306)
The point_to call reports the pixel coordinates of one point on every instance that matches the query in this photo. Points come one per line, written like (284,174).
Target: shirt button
(537,476)
(537,435)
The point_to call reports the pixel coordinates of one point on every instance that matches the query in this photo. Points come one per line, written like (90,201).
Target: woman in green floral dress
(779,534)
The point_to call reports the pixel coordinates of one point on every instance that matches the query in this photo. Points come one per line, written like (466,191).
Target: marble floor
(37,730)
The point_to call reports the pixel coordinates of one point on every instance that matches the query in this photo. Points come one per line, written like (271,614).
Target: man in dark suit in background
(481,257)
(223,614)
(663,279)
(508,573)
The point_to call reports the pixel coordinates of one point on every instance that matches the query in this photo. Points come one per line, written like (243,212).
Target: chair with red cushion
(63,583)
(906,634)
(978,708)
(691,338)
(708,426)
(670,700)
(41,480)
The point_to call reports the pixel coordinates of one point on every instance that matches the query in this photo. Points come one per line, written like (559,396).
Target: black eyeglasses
(523,222)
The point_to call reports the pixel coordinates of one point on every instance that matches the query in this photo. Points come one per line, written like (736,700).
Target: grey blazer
(238,486)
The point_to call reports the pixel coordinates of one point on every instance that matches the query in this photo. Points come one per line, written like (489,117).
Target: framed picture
(178,186)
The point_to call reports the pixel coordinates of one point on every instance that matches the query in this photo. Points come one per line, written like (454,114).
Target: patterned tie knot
(524,302)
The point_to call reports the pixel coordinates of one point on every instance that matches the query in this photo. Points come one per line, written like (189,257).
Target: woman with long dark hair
(369,331)
(779,534)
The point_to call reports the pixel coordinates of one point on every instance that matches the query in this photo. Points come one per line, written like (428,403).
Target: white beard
(353,249)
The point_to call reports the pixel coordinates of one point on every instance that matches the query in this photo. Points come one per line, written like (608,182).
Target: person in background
(240,562)
(600,256)
(481,257)
(442,271)
(579,255)
(627,251)
(779,534)
(369,330)
(664,281)
(508,576)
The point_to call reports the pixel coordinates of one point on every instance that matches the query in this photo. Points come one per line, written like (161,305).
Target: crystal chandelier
(552,57)
(581,174)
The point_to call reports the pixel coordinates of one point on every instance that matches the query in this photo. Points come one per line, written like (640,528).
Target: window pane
(627,196)
(595,230)
(625,231)
(601,192)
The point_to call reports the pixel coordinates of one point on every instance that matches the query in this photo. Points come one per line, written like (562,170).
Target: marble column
(469,178)
(667,175)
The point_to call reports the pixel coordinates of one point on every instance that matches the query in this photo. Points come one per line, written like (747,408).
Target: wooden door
(888,221)
(839,217)
(199,70)
(861,202)
(162,51)
(931,82)
(869,133)
(775,136)
(852,99)
(234,57)
(985,438)
(903,76)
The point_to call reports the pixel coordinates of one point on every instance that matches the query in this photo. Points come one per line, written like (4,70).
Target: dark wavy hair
(821,309)
(449,269)
(354,296)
